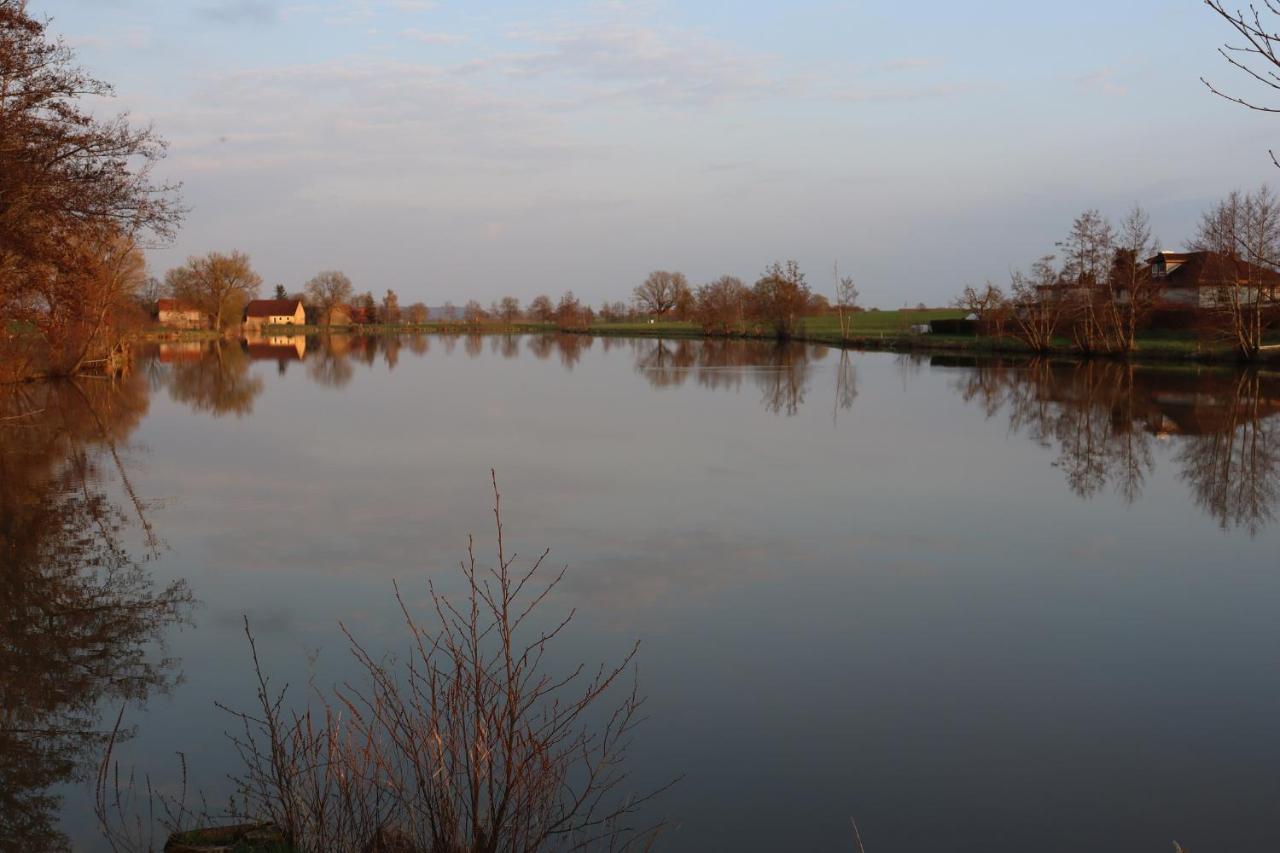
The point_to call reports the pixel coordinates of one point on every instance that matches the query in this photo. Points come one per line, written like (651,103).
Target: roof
(174,305)
(272,307)
(1211,269)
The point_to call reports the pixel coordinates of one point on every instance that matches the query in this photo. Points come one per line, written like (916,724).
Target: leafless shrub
(467,745)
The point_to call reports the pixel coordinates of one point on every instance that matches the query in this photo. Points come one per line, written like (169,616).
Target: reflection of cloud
(647,569)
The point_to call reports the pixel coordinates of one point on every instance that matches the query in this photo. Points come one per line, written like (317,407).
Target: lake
(977,606)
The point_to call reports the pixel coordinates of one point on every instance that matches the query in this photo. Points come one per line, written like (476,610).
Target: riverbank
(883,331)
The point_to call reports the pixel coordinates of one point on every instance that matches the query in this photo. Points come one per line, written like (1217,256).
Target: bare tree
(391,308)
(542,309)
(220,284)
(989,305)
(417,313)
(1088,252)
(1256,56)
(1131,291)
(720,305)
(470,745)
(1242,236)
(509,309)
(661,292)
(846,299)
(780,298)
(1037,305)
(473,312)
(329,290)
(571,314)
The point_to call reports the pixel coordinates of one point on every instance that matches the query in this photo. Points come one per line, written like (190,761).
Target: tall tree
(70,178)
(1242,235)
(846,299)
(280,292)
(219,284)
(391,308)
(780,298)
(509,309)
(328,290)
(541,309)
(1088,252)
(661,292)
(1132,292)
(720,305)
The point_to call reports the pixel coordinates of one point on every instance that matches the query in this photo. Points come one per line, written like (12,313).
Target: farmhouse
(176,314)
(261,313)
(1205,280)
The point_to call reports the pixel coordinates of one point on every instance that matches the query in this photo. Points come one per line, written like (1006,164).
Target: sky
(456,150)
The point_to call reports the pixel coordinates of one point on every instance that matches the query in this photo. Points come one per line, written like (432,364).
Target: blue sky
(457,150)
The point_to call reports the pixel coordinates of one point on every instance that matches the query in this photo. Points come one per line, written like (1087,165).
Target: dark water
(980,607)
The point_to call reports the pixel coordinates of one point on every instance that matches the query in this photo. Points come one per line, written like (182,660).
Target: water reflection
(1103,419)
(218,380)
(782,372)
(79,612)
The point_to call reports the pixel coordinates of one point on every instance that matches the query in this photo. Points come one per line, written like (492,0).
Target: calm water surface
(979,607)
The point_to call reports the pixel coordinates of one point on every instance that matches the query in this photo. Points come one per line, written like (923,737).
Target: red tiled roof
(174,305)
(271,307)
(1210,269)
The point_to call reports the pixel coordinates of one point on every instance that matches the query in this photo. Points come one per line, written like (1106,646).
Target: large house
(261,313)
(176,314)
(1205,279)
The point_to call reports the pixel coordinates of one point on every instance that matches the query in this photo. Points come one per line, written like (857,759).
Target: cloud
(431,38)
(657,66)
(911,63)
(1102,80)
(241,11)
(412,5)
(902,94)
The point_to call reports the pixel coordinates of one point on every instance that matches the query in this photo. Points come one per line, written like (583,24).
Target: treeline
(1098,292)
(77,204)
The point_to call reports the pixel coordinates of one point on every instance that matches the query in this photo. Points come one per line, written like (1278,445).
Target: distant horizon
(451,153)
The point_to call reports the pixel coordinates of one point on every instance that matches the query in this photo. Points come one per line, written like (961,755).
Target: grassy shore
(869,330)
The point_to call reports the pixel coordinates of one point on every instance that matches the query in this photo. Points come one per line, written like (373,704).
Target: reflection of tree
(1102,417)
(846,385)
(78,612)
(473,344)
(666,364)
(510,346)
(330,363)
(391,351)
(570,348)
(541,346)
(785,379)
(219,383)
(781,370)
(1233,472)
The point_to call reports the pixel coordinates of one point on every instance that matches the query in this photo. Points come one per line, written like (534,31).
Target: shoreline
(1161,350)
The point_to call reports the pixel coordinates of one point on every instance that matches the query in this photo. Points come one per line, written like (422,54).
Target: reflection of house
(261,313)
(176,314)
(277,348)
(1204,279)
(182,351)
